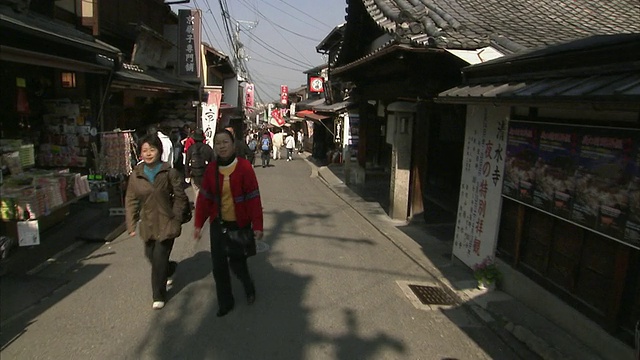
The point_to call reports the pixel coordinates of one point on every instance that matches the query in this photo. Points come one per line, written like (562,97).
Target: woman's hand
(258,234)
(132,234)
(197,233)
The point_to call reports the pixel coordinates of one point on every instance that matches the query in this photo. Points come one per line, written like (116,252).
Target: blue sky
(282,44)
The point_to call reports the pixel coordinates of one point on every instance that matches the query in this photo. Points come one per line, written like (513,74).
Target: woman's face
(223,145)
(150,153)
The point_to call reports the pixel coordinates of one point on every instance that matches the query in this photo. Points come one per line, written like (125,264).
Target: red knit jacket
(245,191)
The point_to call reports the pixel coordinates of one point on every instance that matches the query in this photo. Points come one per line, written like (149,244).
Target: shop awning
(36,25)
(302,113)
(131,77)
(337,107)
(225,106)
(317,117)
(621,87)
(309,104)
(22,56)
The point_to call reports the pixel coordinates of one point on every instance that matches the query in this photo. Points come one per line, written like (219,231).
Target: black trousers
(222,262)
(266,156)
(157,252)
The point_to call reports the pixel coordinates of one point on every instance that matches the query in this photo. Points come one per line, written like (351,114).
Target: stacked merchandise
(34,194)
(117,153)
(15,155)
(66,139)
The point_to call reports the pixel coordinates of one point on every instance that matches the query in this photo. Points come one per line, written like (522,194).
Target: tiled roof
(511,25)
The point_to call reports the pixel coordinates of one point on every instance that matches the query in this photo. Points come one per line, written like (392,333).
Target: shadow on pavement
(276,326)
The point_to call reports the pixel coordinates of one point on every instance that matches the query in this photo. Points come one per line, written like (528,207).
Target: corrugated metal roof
(618,87)
(133,75)
(309,103)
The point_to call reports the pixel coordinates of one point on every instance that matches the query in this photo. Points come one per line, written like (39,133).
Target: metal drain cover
(431,295)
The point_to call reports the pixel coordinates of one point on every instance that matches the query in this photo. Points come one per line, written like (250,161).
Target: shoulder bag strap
(218,194)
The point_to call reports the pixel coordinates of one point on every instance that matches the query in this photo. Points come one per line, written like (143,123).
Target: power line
(259,42)
(276,29)
(257,12)
(276,64)
(206,26)
(302,12)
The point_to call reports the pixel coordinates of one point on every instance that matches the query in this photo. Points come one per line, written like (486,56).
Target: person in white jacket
(167,145)
(290,144)
(278,141)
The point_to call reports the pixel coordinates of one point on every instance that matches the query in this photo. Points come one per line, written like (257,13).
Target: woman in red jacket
(240,207)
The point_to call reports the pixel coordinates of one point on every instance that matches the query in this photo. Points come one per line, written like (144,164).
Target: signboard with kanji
(189,33)
(481,184)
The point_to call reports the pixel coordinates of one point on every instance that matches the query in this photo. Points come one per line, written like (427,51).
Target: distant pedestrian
(242,150)
(154,196)
(253,146)
(167,145)
(290,144)
(265,148)
(277,142)
(300,140)
(230,199)
(199,155)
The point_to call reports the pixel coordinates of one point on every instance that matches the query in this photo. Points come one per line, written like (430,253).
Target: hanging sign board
(189,38)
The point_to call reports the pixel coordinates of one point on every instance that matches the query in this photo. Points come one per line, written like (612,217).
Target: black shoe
(251,298)
(250,290)
(224,311)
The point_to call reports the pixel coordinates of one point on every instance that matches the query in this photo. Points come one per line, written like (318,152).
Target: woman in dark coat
(156,198)
(240,207)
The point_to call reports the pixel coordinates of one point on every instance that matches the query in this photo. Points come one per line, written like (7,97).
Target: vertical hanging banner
(189,37)
(210,112)
(480,199)
(249,96)
(284,94)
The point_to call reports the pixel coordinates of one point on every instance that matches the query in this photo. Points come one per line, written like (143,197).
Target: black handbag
(240,242)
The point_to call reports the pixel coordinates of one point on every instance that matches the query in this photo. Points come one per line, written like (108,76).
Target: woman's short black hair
(151,139)
(225,131)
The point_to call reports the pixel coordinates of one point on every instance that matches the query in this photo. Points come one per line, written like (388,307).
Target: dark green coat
(158,206)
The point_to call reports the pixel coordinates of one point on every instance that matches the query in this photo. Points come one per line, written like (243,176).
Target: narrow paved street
(326,289)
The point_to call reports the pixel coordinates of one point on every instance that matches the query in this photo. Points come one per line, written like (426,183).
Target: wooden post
(621,266)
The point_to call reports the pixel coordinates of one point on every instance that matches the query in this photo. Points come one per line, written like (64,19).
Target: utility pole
(239,56)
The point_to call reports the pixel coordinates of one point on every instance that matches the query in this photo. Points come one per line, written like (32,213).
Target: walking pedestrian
(156,198)
(253,146)
(230,199)
(300,140)
(198,156)
(290,144)
(167,145)
(265,148)
(277,142)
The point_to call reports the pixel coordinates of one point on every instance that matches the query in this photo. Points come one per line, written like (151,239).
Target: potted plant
(487,273)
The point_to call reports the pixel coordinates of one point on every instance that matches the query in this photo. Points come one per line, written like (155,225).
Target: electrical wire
(206,26)
(295,48)
(315,20)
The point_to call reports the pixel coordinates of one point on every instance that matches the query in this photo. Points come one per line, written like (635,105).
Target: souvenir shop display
(118,153)
(67,134)
(37,193)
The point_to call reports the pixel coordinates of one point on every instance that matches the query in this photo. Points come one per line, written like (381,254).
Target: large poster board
(587,175)
(481,184)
